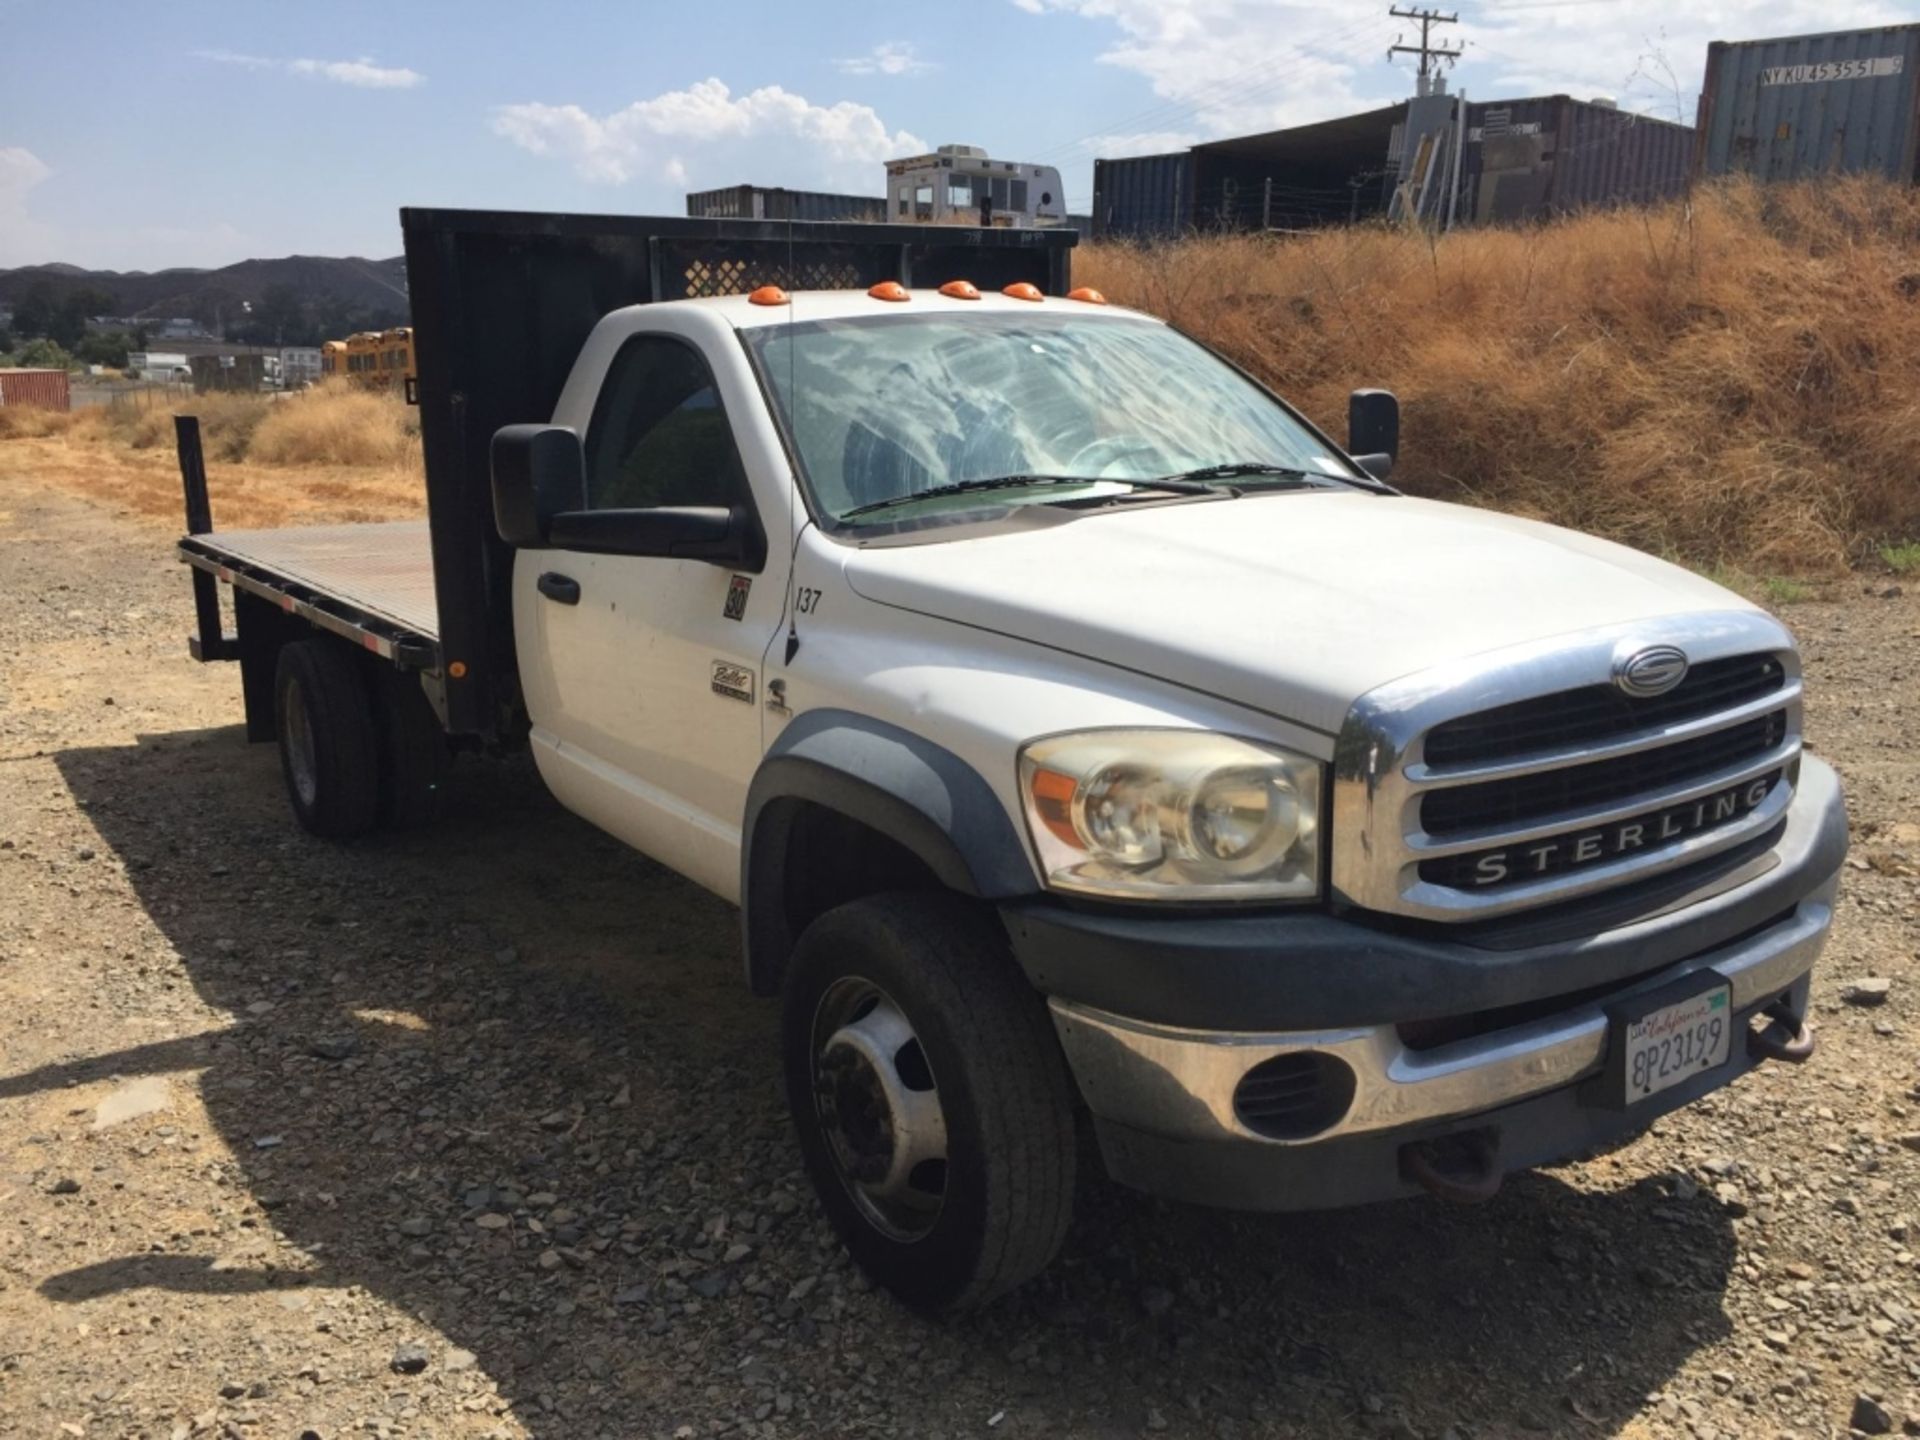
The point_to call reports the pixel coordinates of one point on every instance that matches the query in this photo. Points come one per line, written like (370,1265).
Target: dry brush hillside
(1733,379)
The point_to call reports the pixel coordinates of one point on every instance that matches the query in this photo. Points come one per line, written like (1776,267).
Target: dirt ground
(477,1132)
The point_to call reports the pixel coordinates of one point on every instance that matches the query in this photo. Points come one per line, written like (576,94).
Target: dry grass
(1734,381)
(324,456)
(335,425)
(32,422)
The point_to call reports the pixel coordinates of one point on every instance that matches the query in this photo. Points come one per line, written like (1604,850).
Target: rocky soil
(477,1133)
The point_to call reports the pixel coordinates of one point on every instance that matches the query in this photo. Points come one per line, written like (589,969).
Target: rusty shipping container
(1551,155)
(1847,102)
(775,202)
(45,388)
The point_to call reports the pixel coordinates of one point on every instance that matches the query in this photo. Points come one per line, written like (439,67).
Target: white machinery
(960,185)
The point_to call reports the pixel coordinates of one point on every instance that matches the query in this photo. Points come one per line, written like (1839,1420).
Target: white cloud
(1224,67)
(363,74)
(890,57)
(20,171)
(707,135)
(23,240)
(234,57)
(26,239)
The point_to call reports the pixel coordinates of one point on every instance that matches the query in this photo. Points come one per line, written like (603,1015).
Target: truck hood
(1295,604)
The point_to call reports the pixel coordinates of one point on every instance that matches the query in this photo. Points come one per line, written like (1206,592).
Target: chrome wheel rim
(879,1108)
(301,766)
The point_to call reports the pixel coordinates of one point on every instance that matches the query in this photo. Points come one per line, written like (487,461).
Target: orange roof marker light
(1021,290)
(889,290)
(960,290)
(768,295)
(1087,295)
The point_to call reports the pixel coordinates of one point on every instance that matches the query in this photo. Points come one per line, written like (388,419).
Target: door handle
(559,587)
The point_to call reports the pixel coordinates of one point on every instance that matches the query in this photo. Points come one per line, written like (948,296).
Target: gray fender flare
(916,793)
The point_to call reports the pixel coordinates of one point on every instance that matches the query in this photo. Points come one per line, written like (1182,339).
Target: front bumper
(1164,1093)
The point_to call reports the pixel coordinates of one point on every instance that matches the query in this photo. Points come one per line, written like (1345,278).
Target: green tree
(42,354)
(36,311)
(108,347)
(70,319)
(282,315)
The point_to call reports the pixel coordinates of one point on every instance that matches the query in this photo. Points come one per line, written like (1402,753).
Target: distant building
(176,328)
(299,366)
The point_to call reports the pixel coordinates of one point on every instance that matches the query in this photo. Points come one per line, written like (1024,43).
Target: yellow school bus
(378,359)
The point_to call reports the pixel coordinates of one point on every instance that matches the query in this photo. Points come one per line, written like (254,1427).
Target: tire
(978,1048)
(413,755)
(323,719)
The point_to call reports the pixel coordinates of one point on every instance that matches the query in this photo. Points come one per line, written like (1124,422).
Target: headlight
(1173,815)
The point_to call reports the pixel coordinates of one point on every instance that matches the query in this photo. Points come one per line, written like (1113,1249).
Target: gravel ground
(478,1133)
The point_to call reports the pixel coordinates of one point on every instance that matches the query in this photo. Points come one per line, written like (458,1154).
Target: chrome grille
(1526,777)
(1593,712)
(1504,804)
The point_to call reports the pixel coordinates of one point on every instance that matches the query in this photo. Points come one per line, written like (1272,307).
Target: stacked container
(1839,103)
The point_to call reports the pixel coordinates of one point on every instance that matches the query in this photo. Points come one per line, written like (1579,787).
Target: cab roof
(745,314)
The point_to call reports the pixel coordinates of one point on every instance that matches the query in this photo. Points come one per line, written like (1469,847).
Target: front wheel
(933,1105)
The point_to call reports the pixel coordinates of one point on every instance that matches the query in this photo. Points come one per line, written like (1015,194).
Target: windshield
(882,407)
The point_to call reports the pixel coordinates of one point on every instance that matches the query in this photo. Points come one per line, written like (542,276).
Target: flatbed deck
(372,583)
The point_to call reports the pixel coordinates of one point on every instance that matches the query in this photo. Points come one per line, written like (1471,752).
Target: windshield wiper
(1174,484)
(1239,469)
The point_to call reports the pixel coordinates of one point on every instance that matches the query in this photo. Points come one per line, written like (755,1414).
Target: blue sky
(142,135)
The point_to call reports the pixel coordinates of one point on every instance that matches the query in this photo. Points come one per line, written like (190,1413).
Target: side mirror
(715,533)
(539,471)
(1373,430)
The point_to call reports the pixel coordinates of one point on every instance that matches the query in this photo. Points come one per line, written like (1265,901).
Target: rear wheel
(932,1102)
(323,718)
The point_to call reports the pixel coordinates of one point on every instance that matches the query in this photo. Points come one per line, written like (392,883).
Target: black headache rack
(502,303)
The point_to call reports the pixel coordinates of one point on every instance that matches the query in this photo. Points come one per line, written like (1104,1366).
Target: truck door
(643,674)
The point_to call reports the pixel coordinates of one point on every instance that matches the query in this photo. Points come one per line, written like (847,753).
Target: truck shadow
(513,1016)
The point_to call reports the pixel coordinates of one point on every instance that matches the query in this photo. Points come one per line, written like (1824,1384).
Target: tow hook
(1782,1038)
(1462,1168)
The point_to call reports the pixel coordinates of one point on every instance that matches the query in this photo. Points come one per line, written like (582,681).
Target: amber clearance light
(768,295)
(960,290)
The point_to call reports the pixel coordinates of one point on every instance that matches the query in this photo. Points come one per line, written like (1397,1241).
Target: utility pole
(1430,54)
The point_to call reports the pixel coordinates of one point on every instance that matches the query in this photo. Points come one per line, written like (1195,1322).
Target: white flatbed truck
(1082,733)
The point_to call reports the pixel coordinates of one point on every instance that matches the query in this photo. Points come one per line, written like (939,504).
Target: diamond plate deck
(385,569)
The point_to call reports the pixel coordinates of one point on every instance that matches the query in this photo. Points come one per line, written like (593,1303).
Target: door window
(659,435)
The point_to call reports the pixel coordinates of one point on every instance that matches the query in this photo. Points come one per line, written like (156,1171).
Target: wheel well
(807,860)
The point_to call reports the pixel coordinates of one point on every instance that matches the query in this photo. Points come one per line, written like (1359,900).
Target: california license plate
(1675,1041)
